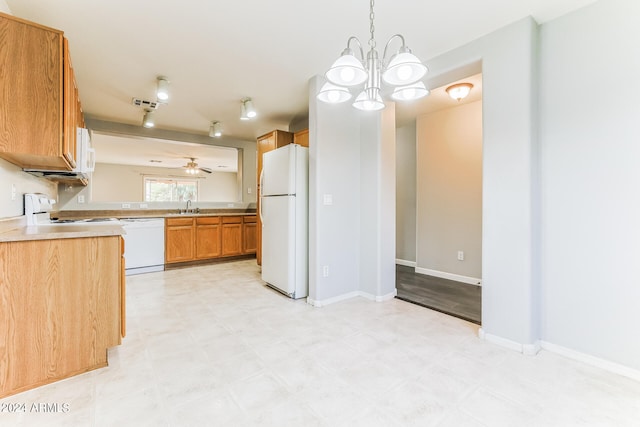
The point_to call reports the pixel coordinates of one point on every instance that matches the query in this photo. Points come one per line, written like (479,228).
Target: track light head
(215,130)
(162,93)
(148,121)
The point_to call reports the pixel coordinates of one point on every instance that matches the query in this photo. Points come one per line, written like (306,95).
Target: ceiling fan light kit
(192,167)
(402,71)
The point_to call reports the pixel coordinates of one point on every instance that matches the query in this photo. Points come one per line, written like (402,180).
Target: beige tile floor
(212,346)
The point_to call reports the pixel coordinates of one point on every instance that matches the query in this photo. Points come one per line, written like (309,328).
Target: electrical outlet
(460,255)
(327,199)
(144,205)
(126,206)
(229,205)
(325,271)
(249,190)
(80,198)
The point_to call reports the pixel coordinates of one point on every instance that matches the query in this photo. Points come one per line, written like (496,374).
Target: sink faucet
(188,204)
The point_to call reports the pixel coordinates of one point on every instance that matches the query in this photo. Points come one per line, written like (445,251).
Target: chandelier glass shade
(402,72)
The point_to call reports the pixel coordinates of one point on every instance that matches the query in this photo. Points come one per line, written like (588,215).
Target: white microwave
(85,160)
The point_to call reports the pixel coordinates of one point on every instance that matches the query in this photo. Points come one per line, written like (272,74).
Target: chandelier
(402,71)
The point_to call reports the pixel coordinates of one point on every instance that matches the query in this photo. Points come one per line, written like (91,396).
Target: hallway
(446,296)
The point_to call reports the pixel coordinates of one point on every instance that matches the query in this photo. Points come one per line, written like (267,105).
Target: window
(157,189)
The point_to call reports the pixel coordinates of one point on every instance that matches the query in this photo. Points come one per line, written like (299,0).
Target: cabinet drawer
(250,218)
(231,219)
(208,220)
(179,221)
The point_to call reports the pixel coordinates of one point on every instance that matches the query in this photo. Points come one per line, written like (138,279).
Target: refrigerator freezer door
(279,171)
(279,243)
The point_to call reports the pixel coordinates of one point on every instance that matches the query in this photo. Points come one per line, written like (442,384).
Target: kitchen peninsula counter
(62,301)
(49,232)
(149,213)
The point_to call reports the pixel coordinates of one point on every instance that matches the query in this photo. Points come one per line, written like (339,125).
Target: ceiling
(217,52)
(162,153)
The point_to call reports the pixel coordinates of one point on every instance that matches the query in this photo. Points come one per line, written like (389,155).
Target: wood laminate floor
(447,296)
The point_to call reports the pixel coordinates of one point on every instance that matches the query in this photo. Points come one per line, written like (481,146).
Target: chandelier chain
(372,41)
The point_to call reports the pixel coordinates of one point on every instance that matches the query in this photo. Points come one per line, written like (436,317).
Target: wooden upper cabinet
(70,118)
(36,95)
(301,138)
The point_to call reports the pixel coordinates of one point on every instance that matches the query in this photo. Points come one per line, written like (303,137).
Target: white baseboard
(526,349)
(613,367)
(444,275)
(379,298)
(405,262)
(533,349)
(349,295)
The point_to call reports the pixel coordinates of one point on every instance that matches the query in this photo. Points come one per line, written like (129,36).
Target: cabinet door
(301,138)
(179,240)
(208,235)
(31,94)
(70,119)
(231,235)
(249,235)
(123,291)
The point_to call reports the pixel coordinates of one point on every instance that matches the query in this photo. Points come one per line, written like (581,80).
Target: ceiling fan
(193,168)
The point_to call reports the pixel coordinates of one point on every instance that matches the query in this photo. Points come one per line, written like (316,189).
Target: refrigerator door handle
(261,190)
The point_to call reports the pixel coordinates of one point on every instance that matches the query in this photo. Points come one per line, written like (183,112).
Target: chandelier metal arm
(403,48)
(348,49)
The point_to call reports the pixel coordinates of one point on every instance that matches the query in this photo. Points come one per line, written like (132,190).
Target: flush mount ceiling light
(402,70)
(215,130)
(148,120)
(162,93)
(459,91)
(247,111)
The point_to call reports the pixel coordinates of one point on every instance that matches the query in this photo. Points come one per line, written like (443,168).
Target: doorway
(439,204)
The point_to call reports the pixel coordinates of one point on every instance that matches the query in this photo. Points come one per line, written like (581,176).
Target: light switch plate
(327,199)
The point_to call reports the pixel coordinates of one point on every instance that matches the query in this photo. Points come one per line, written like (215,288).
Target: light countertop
(49,232)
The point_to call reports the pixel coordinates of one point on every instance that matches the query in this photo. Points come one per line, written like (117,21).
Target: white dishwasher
(143,245)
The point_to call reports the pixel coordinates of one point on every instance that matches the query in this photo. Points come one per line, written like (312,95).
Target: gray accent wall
(449,191)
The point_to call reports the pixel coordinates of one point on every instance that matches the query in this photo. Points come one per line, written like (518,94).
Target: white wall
(4,7)
(406,194)
(123,183)
(352,160)
(449,192)
(590,157)
(510,307)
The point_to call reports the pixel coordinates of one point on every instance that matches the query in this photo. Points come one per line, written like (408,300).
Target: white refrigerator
(284,212)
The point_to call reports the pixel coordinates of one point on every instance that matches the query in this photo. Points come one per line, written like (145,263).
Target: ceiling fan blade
(207,170)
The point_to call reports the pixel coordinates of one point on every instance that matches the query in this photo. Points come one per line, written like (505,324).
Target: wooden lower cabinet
(208,244)
(60,308)
(231,235)
(179,240)
(250,235)
(208,237)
